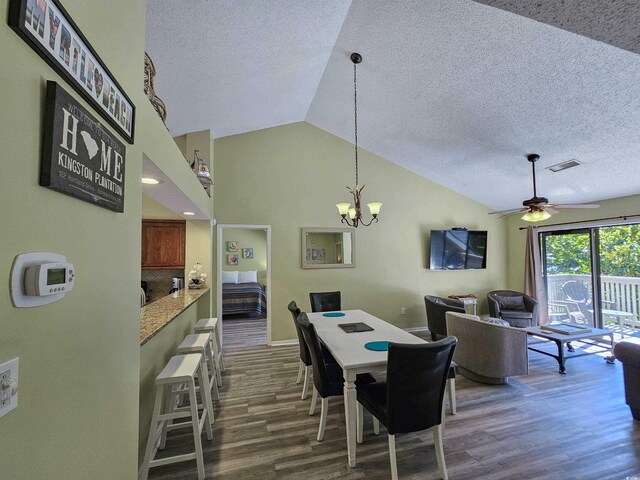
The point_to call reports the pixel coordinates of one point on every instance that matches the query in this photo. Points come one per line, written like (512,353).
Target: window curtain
(533,282)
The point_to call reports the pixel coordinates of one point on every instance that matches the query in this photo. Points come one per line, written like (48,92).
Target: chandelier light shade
(352,216)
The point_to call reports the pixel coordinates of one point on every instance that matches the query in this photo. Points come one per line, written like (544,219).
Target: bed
(243,300)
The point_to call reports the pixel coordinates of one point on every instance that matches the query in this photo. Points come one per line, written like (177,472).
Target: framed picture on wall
(232,246)
(317,254)
(232,259)
(247,253)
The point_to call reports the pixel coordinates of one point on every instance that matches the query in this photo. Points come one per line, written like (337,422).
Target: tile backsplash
(159,281)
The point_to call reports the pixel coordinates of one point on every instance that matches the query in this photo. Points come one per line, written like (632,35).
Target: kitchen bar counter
(157,315)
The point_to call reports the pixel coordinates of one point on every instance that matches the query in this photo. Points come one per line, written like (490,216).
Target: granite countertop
(157,315)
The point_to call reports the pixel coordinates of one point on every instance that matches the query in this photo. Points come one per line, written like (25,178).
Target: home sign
(80,157)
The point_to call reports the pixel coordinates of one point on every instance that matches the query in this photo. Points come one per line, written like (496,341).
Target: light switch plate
(8,386)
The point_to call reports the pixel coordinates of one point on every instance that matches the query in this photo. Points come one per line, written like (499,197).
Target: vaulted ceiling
(457,91)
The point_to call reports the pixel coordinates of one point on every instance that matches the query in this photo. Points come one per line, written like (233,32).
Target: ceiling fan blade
(551,210)
(509,212)
(576,205)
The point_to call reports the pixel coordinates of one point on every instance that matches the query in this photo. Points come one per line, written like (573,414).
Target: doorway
(243,297)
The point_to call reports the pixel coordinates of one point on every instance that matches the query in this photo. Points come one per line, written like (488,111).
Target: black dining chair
(325,301)
(305,356)
(411,399)
(327,374)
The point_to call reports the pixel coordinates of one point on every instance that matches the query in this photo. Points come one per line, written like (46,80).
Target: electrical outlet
(8,386)
(403,311)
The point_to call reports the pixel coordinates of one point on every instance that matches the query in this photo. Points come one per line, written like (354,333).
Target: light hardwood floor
(541,426)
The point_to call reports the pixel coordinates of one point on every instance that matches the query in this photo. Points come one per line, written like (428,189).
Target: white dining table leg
(350,414)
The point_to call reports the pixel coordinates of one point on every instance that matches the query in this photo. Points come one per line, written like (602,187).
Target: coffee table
(560,339)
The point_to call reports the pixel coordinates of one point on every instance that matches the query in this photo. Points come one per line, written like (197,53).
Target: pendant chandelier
(345,209)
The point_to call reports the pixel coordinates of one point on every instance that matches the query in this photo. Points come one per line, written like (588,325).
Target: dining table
(354,358)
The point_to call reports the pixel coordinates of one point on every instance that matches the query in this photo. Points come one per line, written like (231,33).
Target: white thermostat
(48,279)
(40,278)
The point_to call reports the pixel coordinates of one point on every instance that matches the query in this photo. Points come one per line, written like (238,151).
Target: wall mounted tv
(458,249)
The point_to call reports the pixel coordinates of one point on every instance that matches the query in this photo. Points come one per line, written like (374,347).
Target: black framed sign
(47,27)
(80,157)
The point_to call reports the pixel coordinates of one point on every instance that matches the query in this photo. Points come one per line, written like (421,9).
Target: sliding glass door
(620,276)
(568,273)
(592,276)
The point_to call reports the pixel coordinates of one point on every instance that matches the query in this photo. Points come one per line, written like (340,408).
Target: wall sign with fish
(47,27)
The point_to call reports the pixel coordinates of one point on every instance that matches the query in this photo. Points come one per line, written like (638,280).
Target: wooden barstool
(201,343)
(210,325)
(181,369)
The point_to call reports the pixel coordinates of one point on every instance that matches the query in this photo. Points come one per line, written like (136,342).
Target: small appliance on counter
(144,290)
(143,297)
(177,283)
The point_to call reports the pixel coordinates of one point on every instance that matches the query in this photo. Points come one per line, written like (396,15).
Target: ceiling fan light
(536,216)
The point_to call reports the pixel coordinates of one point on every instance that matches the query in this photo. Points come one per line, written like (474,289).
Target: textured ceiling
(616,22)
(456,91)
(234,66)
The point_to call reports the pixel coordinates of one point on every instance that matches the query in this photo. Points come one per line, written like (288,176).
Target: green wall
(292,176)
(152,210)
(77,416)
(516,238)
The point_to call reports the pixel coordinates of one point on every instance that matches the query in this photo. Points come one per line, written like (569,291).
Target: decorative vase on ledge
(196,278)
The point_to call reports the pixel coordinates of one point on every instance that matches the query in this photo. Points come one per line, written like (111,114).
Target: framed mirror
(328,248)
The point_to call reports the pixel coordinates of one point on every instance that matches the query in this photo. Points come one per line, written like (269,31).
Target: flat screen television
(458,249)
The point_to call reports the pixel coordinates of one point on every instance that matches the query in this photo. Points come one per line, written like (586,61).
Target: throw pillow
(250,276)
(230,277)
(515,302)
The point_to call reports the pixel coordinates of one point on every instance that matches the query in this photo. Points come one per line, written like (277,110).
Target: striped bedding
(245,300)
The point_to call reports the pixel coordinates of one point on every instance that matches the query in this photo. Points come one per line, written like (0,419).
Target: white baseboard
(284,343)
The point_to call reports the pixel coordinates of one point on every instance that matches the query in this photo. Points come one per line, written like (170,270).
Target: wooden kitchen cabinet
(163,244)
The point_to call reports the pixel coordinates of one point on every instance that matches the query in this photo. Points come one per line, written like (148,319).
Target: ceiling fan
(538,208)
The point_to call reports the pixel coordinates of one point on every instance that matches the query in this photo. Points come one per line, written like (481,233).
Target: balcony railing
(623,291)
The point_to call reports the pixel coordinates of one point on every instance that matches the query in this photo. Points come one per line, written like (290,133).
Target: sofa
(436,308)
(629,354)
(517,308)
(489,351)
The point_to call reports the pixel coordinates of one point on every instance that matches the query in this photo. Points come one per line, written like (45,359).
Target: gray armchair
(517,308)
(629,354)
(487,352)
(436,308)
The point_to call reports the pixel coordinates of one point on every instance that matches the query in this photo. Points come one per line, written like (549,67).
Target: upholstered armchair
(517,308)
(629,354)
(436,308)
(488,351)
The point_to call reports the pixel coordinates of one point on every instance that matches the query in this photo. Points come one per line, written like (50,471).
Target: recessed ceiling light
(188,213)
(150,181)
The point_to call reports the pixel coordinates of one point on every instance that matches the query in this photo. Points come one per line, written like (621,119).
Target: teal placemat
(333,314)
(381,346)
